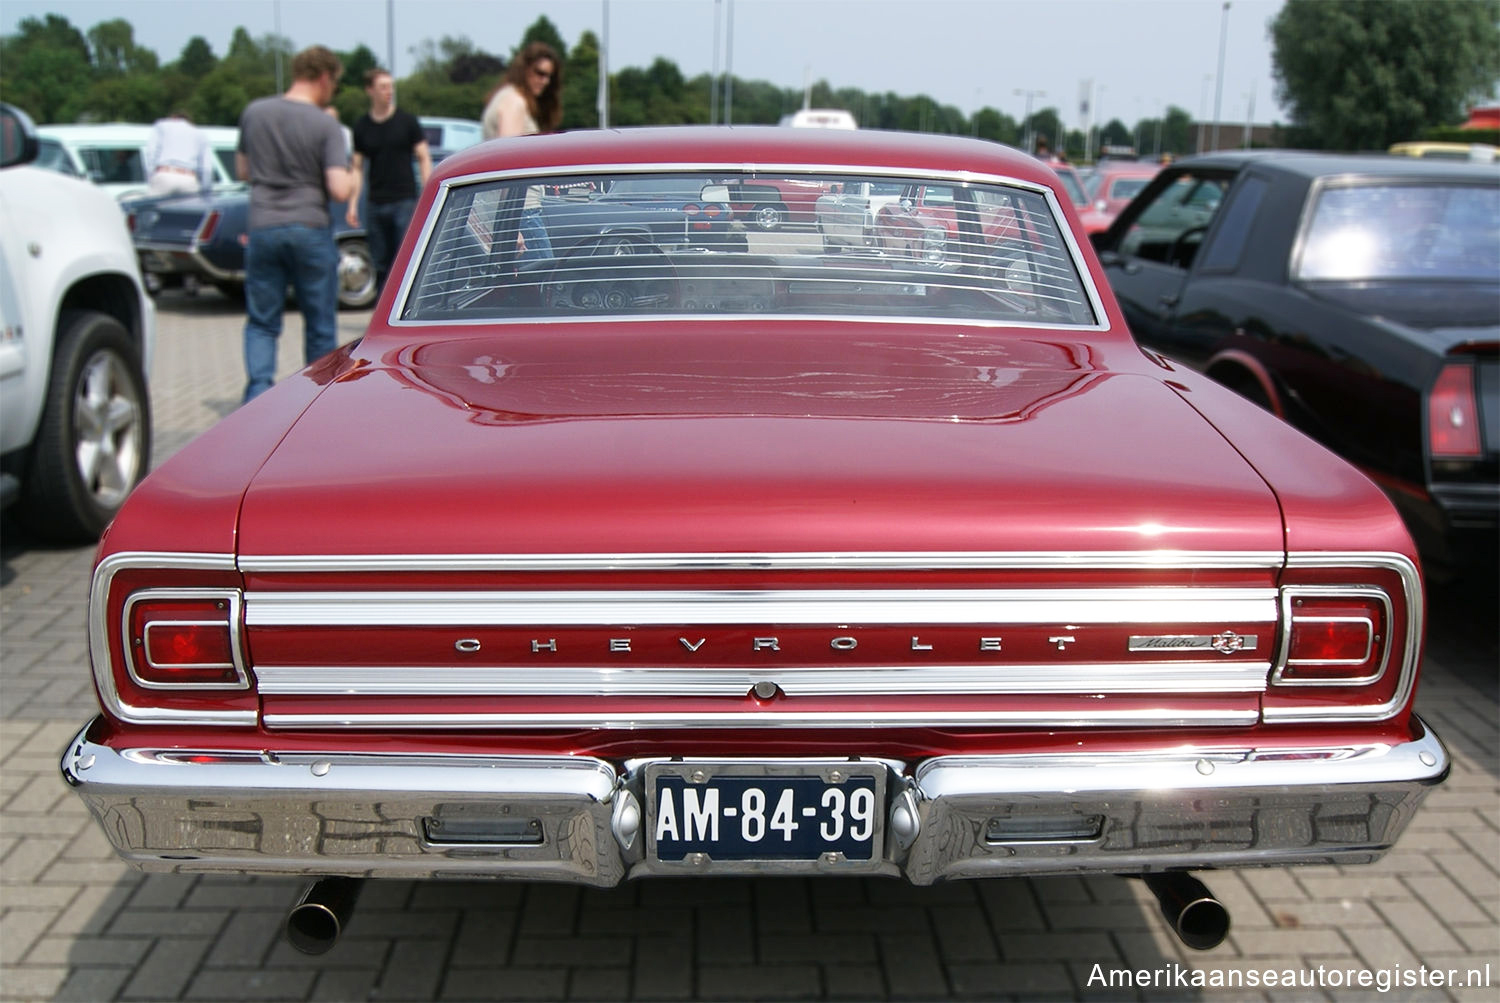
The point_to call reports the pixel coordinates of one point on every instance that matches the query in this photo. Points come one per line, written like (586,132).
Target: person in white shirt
(177,157)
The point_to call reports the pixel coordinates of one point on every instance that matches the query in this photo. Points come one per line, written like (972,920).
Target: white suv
(76,335)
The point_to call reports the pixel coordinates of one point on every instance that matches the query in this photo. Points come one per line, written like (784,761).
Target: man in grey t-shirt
(294,157)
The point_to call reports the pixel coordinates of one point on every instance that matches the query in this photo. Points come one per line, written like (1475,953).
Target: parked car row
(112,155)
(201,238)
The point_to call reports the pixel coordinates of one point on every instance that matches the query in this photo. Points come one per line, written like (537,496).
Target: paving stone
(84,985)
(663,970)
(167,968)
(605,984)
(505,984)
(761,982)
(1027,981)
(212,984)
(913,967)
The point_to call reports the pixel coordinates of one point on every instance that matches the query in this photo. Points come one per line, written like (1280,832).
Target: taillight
(186,639)
(1453,414)
(693,211)
(1334,637)
(206,231)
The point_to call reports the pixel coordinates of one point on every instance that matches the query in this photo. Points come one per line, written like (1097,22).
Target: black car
(1358,297)
(202,238)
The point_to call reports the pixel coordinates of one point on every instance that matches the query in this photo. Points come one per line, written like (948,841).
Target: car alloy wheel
(94,441)
(768,217)
(357,290)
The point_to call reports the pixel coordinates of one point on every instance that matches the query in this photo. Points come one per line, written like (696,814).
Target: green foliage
(197,59)
(45,69)
(1360,76)
(1453,134)
(542,30)
(115,52)
(580,93)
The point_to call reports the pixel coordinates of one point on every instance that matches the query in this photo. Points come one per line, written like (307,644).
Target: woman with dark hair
(528,101)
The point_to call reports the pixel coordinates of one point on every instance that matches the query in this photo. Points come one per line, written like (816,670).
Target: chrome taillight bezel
(181,706)
(233,604)
(1290,595)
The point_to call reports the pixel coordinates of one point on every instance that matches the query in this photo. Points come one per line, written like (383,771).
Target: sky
(1139,55)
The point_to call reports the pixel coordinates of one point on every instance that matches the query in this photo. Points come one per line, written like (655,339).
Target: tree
(115,52)
(1360,76)
(197,59)
(581,84)
(45,69)
(543,30)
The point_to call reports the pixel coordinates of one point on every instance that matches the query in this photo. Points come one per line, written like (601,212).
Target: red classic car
(1113,185)
(772,202)
(924,222)
(652,560)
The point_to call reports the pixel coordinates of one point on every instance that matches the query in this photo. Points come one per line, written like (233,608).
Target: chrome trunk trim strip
(895,560)
(779,719)
(875,680)
(778,606)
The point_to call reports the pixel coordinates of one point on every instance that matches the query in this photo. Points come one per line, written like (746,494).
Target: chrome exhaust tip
(1199,920)
(322,913)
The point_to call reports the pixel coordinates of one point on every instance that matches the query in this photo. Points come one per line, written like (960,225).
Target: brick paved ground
(77,925)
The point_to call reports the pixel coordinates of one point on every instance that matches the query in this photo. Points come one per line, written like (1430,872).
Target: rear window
(114,164)
(652,243)
(1403,231)
(1127,188)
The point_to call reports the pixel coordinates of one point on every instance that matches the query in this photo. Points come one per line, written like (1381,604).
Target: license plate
(765,811)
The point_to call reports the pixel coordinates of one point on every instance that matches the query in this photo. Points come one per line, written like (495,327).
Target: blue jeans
(385,225)
(305,258)
(538,244)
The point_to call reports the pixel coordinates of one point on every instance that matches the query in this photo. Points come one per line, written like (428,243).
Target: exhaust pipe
(321,914)
(1198,919)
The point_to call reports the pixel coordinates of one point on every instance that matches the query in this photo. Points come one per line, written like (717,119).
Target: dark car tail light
(1453,414)
(206,231)
(694,213)
(1335,638)
(184,639)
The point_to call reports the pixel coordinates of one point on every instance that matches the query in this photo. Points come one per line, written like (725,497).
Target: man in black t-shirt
(386,138)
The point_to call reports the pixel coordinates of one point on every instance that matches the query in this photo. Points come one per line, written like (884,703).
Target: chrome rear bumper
(578,820)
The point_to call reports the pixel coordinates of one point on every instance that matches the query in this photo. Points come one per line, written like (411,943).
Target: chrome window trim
(100,633)
(874,680)
(445,189)
(1122,605)
(1214,717)
(1411,582)
(236,653)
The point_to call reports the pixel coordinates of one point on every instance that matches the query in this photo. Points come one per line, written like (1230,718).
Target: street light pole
(1027,137)
(713,81)
(1219,84)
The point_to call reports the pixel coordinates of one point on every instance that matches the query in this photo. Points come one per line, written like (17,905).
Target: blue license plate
(748,813)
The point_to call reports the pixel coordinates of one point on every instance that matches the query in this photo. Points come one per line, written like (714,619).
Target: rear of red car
(892,566)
